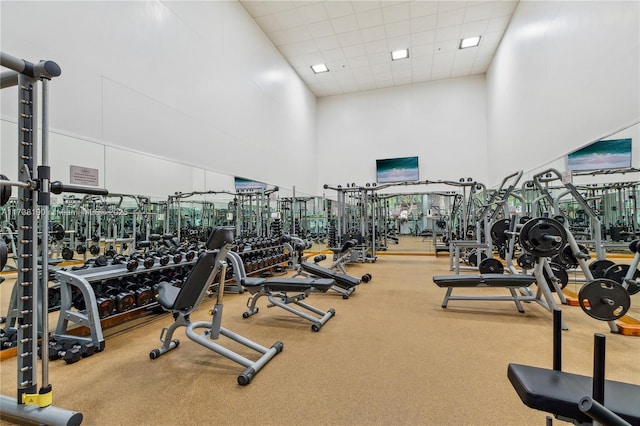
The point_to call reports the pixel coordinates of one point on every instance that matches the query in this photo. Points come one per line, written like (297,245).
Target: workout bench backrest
(220,236)
(199,278)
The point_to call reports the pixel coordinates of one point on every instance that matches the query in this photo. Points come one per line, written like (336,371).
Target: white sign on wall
(83,176)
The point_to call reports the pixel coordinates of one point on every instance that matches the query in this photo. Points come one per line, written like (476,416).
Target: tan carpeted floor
(390,356)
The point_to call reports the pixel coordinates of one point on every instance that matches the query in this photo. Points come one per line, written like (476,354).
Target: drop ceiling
(355,39)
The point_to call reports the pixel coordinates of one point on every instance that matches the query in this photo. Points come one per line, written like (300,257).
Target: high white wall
(442,122)
(164,92)
(565,74)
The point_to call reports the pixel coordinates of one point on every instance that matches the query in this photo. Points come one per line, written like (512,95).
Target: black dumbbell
(66,351)
(319,258)
(142,293)
(123,299)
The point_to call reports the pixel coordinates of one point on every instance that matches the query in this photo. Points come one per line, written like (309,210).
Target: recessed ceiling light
(318,68)
(469,42)
(399,54)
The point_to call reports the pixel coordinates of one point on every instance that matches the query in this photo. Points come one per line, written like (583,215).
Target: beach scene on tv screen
(397,169)
(607,154)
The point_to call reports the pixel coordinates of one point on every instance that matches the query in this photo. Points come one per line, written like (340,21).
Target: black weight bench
(512,282)
(575,398)
(277,291)
(344,284)
(559,393)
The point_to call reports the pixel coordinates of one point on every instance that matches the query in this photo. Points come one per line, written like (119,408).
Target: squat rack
(33,404)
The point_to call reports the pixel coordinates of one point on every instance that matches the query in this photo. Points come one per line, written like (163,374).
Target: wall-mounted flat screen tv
(402,169)
(605,154)
(243,184)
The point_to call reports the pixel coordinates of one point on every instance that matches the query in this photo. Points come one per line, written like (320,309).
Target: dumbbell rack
(83,280)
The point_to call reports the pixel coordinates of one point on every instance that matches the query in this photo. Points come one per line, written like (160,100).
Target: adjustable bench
(344,284)
(512,282)
(182,301)
(277,291)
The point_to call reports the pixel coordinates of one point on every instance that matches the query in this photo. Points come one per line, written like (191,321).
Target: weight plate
(57,231)
(524,219)
(599,267)
(80,249)
(498,231)
(491,266)
(3,254)
(543,236)
(526,261)
(473,258)
(604,299)
(568,258)
(94,249)
(67,253)
(5,192)
(618,273)
(633,246)
(559,273)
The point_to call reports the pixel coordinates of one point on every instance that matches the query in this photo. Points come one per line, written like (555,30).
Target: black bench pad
(558,393)
(342,280)
(289,284)
(485,280)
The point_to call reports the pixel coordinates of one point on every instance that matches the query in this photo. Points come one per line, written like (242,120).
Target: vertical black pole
(557,339)
(598,367)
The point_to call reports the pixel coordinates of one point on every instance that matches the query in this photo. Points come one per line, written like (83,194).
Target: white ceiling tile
(498,24)
(345,24)
(425,37)
(423,23)
(333,55)
(395,43)
(288,19)
(422,50)
(472,29)
(399,80)
(279,5)
(460,72)
(444,58)
(291,35)
(362,72)
(335,9)
(306,59)
(350,39)
(445,46)
(326,43)
(256,8)
(482,61)
(396,29)
(448,33)
(421,8)
(353,51)
(268,24)
(397,12)
(504,8)
(370,18)
(381,68)
(337,66)
(421,62)
(447,19)
(376,46)
(379,58)
(367,86)
(373,33)
(313,13)
(321,29)
(446,6)
(359,61)
(297,49)
(402,66)
(363,6)
(478,12)
(491,39)
(383,76)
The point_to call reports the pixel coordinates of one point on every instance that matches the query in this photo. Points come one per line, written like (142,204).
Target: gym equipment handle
(58,187)
(600,413)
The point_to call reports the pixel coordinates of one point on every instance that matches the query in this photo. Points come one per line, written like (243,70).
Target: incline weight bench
(572,397)
(511,282)
(182,301)
(345,284)
(277,291)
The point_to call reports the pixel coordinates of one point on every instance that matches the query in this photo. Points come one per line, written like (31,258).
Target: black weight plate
(473,258)
(498,230)
(618,273)
(599,267)
(604,299)
(633,246)
(94,249)
(543,237)
(526,261)
(524,219)
(491,266)
(67,253)
(558,272)
(57,231)
(5,192)
(567,257)
(3,254)
(80,249)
